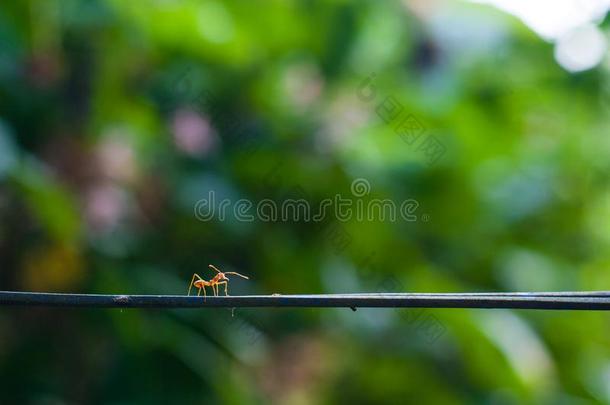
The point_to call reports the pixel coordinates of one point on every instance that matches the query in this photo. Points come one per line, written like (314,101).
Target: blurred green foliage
(117,117)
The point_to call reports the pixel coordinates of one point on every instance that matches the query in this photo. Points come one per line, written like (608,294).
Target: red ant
(218,279)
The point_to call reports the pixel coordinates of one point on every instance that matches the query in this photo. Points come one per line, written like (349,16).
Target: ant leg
(191,285)
(225,284)
(192,281)
(199,292)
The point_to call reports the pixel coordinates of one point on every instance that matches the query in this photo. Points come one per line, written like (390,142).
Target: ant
(218,279)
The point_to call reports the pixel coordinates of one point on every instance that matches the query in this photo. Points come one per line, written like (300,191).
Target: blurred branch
(531,300)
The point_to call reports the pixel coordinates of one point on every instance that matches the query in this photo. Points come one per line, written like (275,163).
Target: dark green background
(97,196)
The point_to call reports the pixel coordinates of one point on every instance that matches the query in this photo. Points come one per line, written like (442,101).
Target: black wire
(580,300)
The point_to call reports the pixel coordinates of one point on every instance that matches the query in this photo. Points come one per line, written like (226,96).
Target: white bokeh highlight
(570,24)
(581,49)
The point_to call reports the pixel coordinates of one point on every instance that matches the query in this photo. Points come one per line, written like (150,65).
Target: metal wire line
(577,300)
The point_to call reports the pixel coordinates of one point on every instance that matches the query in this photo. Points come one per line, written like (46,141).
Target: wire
(580,300)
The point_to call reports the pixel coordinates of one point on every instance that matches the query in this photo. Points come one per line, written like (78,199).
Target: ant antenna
(240,275)
(211,266)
